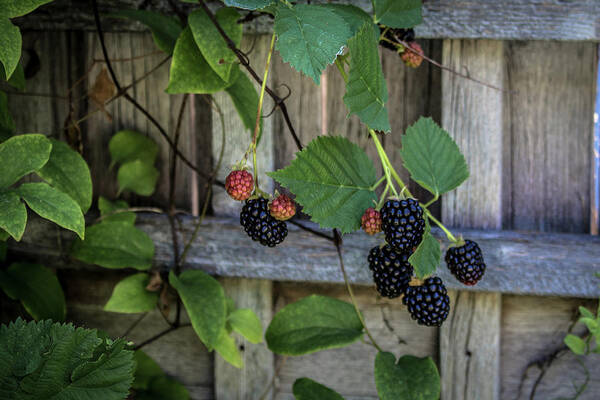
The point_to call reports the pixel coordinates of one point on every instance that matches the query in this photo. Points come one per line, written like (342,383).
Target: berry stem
(259,110)
(379,182)
(339,64)
(385,164)
(382,198)
(430,202)
(438,223)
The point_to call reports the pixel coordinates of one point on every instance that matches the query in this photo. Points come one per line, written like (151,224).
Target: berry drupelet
(391,271)
(260,225)
(466,262)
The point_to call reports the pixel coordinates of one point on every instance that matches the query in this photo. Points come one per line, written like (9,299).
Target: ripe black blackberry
(429,303)
(260,225)
(466,262)
(391,271)
(403,224)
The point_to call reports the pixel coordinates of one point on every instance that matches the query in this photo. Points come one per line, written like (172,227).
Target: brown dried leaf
(155,282)
(102,91)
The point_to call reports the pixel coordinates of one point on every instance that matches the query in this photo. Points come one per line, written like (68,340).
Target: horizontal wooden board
(483,19)
(552,264)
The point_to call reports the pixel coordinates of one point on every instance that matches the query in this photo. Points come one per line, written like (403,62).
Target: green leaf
(145,371)
(115,245)
(354,16)
(44,360)
(109,209)
(67,171)
(7,125)
(590,323)
(210,42)
(130,296)
(310,37)
(575,343)
(21,155)
(585,312)
(366,90)
(226,347)
(307,389)
(18,8)
(17,80)
(126,146)
(332,179)
(164,388)
(412,378)
(13,215)
(398,13)
(10,45)
(3,236)
(204,302)
(245,99)
(190,73)
(245,322)
(311,324)
(165,29)
(37,288)
(248,4)
(432,157)
(138,176)
(426,258)
(54,205)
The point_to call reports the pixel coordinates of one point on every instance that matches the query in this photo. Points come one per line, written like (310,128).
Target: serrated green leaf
(210,42)
(398,13)
(17,80)
(307,389)
(354,16)
(426,258)
(248,4)
(245,99)
(310,37)
(575,343)
(44,360)
(366,89)
(54,205)
(67,171)
(13,215)
(245,322)
(204,302)
(412,378)
(18,8)
(37,288)
(165,29)
(115,245)
(432,157)
(226,347)
(190,73)
(332,179)
(10,46)
(138,176)
(108,210)
(7,125)
(312,324)
(130,296)
(21,155)
(127,145)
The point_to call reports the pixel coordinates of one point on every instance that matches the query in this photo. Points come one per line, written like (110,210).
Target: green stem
(438,223)
(383,196)
(339,64)
(430,202)
(384,164)
(379,182)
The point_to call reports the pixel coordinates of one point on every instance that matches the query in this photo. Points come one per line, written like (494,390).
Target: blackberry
(391,271)
(466,262)
(260,225)
(429,303)
(403,224)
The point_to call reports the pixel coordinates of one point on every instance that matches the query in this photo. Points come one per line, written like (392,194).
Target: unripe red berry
(239,184)
(282,208)
(371,221)
(413,56)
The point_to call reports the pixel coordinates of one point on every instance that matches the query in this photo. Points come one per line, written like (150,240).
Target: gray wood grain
(552,264)
(482,19)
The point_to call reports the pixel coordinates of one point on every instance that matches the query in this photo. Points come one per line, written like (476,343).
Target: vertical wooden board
(249,382)
(551,127)
(532,329)
(471,333)
(350,370)
(472,113)
(238,137)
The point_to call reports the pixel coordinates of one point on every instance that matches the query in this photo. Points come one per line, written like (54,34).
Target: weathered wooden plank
(349,370)
(554,264)
(550,113)
(532,329)
(482,19)
(472,113)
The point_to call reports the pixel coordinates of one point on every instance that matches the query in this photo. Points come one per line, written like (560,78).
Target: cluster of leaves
(591,343)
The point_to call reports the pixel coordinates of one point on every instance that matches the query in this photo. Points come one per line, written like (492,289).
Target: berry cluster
(262,220)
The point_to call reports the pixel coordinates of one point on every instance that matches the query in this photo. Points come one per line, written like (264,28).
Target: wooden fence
(529,200)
